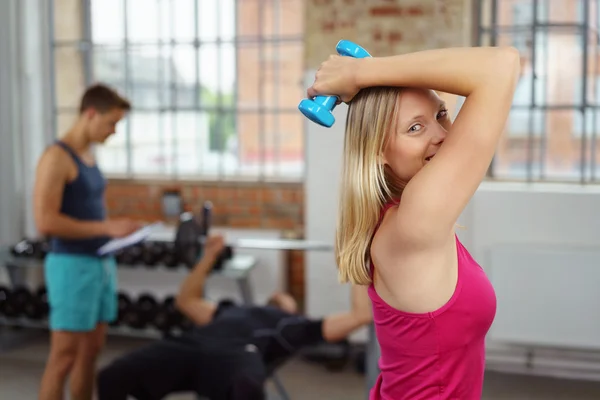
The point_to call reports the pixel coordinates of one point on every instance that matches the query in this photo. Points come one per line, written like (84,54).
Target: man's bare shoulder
(55,160)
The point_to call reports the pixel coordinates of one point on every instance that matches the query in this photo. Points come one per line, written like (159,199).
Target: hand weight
(319,109)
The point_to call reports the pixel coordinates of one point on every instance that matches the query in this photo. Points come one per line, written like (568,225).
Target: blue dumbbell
(319,109)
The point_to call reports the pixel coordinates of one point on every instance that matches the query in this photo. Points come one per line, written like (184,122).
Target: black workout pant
(165,367)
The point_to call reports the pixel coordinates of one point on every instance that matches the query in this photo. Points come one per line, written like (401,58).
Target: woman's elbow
(509,61)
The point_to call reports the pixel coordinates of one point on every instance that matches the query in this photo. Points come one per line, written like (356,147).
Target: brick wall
(385,27)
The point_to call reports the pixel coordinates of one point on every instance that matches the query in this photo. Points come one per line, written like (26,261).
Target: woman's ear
(382,160)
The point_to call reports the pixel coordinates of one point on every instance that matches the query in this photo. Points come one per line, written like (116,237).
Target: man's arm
(337,327)
(190,299)
(52,173)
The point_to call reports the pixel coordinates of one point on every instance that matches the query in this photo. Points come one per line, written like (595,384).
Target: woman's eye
(442,114)
(415,128)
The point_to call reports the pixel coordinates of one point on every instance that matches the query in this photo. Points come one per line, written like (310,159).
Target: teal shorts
(82,291)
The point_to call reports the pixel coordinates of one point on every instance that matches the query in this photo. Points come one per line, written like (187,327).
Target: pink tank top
(440,354)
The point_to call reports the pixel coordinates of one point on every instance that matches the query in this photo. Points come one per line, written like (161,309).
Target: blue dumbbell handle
(348,49)
(319,108)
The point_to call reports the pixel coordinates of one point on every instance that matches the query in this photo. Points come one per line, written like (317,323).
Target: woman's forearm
(459,71)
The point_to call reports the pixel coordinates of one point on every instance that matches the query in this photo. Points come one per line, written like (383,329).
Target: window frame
(277,39)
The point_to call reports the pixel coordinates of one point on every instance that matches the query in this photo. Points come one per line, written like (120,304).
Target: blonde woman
(408,173)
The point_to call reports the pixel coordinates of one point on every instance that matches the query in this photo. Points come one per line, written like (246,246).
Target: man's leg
(73,295)
(151,372)
(63,351)
(84,368)
(84,371)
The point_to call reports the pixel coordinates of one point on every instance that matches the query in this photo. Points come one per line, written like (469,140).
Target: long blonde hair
(366,183)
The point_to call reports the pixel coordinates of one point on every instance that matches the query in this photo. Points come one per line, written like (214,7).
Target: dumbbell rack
(237,268)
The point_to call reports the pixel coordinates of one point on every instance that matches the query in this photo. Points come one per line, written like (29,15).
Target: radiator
(548,296)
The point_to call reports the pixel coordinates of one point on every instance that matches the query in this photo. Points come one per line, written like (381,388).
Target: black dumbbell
(152,253)
(132,255)
(146,306)
(123,304)
(167,316)
(37,306)
(225,255)
(41,248)
(19,298)
(42,296)
(4,300)
(170,258)
(23,249)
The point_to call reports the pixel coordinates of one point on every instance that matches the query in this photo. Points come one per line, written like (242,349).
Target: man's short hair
(103,99)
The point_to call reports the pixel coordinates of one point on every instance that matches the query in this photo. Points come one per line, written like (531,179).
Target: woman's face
(422,125)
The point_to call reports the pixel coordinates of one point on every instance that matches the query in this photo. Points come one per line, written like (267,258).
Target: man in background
(232,350)
(70,208)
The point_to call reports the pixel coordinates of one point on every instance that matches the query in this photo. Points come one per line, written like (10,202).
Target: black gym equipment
(146,307)
(36,307)
(123,305)
(167,317)
(152,253)
(170,258)
(23,249)
(4,299)
(193,231)
(131,255)
(334,356)
(18,300)
(31,248)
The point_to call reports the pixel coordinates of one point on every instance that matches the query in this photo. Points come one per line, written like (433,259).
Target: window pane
(250,125)
(226,18)
(146,71)
(69,76)
(289,82)
(227,72)
(561,57)
(290,157)
(147,143)
(289,17)
(67,20)
(249,88)
(64,122)
(517,151)
(183,75)
(208,24)
(249,19)
(268,24)
(109,67)
(271,144)
(593,65)
(107,21)
(184,20)
(190,141)
(217,71)
(561,11)
(143,21)
(112,155)
(283,144)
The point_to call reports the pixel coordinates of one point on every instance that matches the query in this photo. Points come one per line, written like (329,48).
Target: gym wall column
(10,192)
(36,101)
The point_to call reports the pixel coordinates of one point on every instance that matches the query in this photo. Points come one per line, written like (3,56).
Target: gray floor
(21,368)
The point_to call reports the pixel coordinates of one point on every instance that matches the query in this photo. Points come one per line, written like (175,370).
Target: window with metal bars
(214,84)
(552,130)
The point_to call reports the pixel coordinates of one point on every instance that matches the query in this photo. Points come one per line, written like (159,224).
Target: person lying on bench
(232,349)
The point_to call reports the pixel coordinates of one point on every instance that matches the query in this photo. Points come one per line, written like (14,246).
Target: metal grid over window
(214,84)
(551,133)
